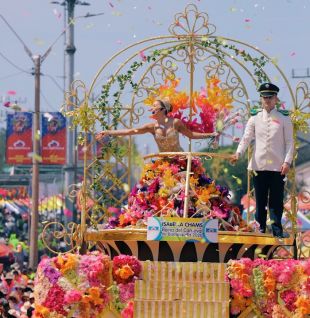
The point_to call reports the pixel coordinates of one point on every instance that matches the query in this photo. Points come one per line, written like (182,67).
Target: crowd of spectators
(16,292)
(16,278)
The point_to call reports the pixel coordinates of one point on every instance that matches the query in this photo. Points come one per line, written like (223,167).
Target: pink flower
(289,297)
(126,291)
(127,312)
(73,296)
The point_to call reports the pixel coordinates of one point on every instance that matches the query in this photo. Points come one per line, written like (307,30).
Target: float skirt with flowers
(161,192)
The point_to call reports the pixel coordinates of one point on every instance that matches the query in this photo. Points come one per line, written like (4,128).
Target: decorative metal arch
(191,48)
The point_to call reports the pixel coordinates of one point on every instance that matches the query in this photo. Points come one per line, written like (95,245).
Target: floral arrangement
(72,285)
(211,107)
(161,192)
(125,270)
(274,288)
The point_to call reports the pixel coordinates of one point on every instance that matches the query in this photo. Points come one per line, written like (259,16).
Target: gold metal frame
(187,32)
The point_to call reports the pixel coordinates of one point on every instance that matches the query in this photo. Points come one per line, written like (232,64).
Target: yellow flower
(204,195)
(70,263)
(41,310)
(193,181)
(94,294)
(168,179)
(163,192)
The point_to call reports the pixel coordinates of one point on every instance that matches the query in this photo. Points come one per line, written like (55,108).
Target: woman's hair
(165,105)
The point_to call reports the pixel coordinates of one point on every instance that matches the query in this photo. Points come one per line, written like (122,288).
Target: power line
(13,64)
(11,75)
(54,81)
(47,102)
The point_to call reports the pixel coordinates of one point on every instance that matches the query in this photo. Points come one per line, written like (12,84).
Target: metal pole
(70,50)
(33,257)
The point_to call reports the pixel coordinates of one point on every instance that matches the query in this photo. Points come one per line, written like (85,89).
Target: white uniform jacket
(273,140)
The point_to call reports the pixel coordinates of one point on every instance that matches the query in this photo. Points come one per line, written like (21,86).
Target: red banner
(53,139)
(19,138)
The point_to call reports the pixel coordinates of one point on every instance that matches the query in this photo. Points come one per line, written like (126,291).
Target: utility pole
(71,132)
(33,257)
(37,61)
(71,153)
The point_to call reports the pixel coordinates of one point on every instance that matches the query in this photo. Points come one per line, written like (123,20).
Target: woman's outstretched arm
(191,134)
(147,128)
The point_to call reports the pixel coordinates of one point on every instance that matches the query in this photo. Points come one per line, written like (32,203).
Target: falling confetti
(37,135)
(57,13)
(275,60)
(117,13)
(34,156)
(89,26)
(233,9)
(111,4)
(38,42)
(293,54)
(126,187)
(247,20)
(11,92)
(142,55)
(238,180)
(48,116)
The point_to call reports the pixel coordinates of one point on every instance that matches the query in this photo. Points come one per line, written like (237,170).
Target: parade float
(170,243)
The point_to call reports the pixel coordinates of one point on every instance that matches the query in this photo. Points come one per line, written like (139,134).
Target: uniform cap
(268,89)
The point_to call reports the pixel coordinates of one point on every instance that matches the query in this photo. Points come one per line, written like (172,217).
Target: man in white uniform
(272,131)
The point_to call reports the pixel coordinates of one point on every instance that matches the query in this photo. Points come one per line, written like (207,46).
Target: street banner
(182,229)
(19,138)
(54,139)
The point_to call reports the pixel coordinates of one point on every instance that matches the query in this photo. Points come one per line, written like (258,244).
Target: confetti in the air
(38,42)
(48,116)
(117,13)
(11,92)
(293,54)
(142,55)
(89,25)
(34,156)
(233,9)
(57,13)
(111,4)
(247,20)
(238,180)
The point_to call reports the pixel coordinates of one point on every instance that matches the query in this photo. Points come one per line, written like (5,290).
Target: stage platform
(231,245)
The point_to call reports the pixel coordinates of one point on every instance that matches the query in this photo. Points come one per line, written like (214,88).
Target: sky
(280,28)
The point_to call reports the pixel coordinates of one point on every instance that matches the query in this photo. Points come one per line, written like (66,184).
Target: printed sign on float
(182,229)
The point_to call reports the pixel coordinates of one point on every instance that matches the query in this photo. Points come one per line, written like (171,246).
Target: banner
(19,138)
(182,229)
(53,139)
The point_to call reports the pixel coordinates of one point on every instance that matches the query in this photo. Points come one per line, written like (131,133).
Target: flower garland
(72,285)
(125,270)
(276,288)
